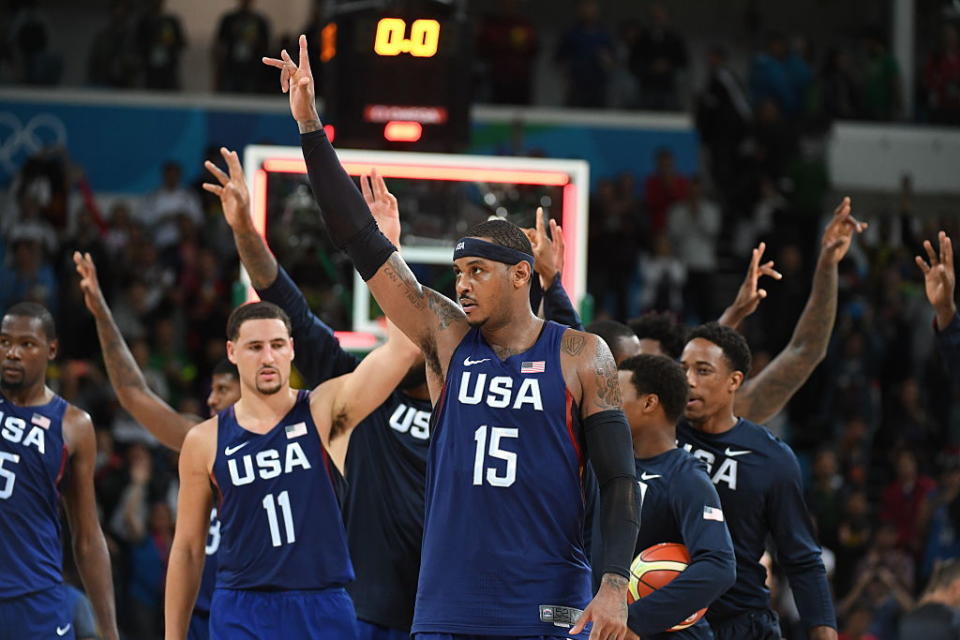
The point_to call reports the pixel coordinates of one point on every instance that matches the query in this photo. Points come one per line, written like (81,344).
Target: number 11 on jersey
(271,506)
(493,477)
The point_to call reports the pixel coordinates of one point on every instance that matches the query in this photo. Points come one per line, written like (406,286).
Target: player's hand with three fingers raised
(750,294)
(607,611)
(232,190)
(89,284)
(383,206)
(839,232)
(939,279)
(296,79)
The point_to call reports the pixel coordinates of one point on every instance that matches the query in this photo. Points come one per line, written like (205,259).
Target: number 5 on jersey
(493,476)
(7,476)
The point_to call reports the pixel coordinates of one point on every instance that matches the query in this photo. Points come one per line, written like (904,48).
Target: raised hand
(547,250)
(232,190)
(939,279)
(839,232)
(89,285)
(297,80)
(383,206)
(750,294)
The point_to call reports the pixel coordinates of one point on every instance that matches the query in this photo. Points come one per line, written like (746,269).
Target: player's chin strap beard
(477,248)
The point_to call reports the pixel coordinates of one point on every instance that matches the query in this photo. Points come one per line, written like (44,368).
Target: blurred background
(760,115)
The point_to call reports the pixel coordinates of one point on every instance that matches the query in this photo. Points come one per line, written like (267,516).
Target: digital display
(391,37)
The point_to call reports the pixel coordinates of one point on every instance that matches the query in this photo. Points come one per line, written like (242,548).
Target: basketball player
(764,396)
(520,405)
(387,457)
(761,490)
(678,503)
(43,440)
(159,418)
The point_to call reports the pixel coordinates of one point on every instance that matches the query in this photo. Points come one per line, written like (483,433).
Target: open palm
(939,278)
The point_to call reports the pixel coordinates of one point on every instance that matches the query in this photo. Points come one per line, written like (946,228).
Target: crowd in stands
(643,63)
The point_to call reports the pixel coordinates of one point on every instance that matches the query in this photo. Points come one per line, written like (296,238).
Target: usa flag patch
(41,421)
(296,430)
(712,513)
(537,366)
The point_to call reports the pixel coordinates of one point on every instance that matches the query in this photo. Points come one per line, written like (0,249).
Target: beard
(269,390)
(13,385)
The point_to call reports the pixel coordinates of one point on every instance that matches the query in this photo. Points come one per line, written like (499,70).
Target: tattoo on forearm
(572,343)
(614,580)
(608,383)
(308,126)
(257,259)
(121,366)
(399,273)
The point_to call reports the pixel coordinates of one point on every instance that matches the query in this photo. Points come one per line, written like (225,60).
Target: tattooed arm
(159,418)
(609,449)
(764,396)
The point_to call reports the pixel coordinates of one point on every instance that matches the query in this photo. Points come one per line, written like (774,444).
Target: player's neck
(650,442)
(32,396)
(260,412)
(720,422)
(512,335)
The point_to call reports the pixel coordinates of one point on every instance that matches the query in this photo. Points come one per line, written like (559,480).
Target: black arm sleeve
(348,218)
(610,449)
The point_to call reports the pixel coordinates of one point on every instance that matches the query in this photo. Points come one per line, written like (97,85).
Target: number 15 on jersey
(493,475)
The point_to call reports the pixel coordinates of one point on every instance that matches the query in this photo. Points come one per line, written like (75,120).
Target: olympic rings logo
(19,141)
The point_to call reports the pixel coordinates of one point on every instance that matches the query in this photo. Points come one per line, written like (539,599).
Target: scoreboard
(397,75)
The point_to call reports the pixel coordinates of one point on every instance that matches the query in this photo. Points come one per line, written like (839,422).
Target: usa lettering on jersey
(407,419)
(728,470)
(15,430)
(497,391)
(266,464)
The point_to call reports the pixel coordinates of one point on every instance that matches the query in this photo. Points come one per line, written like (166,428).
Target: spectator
(29,276)
(693,227)
(662,190)
(853,538)
(657,59)
(903,498)
(28,39)
(941,78)
(840,94)
(723,119)
(243,38)
(664,276)
(780,77)
(114,59)
(161,208)
(586,53)
(942,511)
(161,41)
(936,617)
(508,44)
(857,624)
(882,97)
(825,498)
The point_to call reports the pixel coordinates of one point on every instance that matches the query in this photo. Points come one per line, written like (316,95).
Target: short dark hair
(226,368)
(255,311)
(503,233)
(610,331)
(662,377)
(734,346)
(945,574)
(38,311)
(662,328)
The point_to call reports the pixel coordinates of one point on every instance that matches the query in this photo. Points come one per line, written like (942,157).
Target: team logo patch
(712,513)
(536,366)
(296,430)
(41,421)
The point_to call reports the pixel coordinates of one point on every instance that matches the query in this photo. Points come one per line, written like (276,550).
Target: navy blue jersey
(503,529)
(678,503)
(758,479)
(209,578)
(32,460)
(386,467)
(280,524)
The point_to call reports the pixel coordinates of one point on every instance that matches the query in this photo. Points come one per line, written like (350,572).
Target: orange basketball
(655,567)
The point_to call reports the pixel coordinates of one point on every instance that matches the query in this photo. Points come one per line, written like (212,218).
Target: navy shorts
(759,624)
(199,628)
(326,614)
(371,631)
(43,615)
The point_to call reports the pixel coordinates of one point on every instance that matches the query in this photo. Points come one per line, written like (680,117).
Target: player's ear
(522,272)
(293,353)
(736,380)
(231,352)
(54,347)
(651,402)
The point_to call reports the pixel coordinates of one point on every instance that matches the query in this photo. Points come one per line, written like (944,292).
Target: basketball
(655,567)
